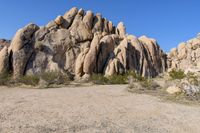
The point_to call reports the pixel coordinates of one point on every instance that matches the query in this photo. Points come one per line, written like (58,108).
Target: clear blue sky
(168,21)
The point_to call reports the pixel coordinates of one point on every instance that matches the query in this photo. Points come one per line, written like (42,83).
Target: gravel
(94,109)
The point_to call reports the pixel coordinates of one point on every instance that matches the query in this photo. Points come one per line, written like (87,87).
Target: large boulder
(21,49)
(121,30)
(110,27)
(81,32)
(106,47)
(155,54)
(79,64)
(69,17)
(79,17)
(88,19)
(4,60)
(97,23)
(173,90)
(89,64)
(49,52)
(22,37)
(20,59)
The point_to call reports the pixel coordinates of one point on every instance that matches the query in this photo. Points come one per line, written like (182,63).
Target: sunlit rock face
(186,56)
(81,43)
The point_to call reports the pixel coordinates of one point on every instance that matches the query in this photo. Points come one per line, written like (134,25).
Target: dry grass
(51,79)
(155,89)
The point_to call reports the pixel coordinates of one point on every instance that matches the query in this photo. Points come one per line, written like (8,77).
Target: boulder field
(81,43)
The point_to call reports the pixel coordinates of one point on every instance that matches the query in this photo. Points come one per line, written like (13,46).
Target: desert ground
(92,109)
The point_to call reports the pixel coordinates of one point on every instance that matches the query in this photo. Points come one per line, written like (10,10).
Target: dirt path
(96,109)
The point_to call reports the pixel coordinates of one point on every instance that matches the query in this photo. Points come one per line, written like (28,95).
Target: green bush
(114,79)
(29,80)
(50,78)
(149,84)
(118,79)
(135,76)
(98,79)
(56,78)
(5,78)
(177,74)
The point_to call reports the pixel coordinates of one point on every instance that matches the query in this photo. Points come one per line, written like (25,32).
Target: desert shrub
(149,84)
(177,74)
(98,79)
(56,78)
(5,78)
(118,79)
(194,47)
(32,80)
(114,79)
(192,78)
(50,78)
(135,76)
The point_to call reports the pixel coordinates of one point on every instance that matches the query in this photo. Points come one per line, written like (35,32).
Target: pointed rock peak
(198,35)
(121,30)
(99,15)
(59,20)
(71,13)
(121,24)
(89,12)
(81,11)
(173,50)
(147,40)
(131,37)
(73,9)
(143,36)
(182,45)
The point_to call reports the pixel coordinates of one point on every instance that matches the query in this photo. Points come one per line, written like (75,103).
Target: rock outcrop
(81,43)
(186,56)
(4,42)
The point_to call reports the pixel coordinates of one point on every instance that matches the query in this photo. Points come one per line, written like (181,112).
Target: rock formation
(81,43)
(4,42)
(186,56)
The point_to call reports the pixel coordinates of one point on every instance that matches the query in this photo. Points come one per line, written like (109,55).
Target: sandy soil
(96,109)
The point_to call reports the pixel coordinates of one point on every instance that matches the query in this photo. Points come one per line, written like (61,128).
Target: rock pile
(81,43)
(186,56)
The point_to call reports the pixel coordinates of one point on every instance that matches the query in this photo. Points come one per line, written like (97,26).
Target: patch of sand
(101,109)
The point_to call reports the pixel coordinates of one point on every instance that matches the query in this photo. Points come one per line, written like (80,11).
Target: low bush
(50,78)
(177,74)
(98,79)
(32,80)
(56,78)
(149,84)
(114,79)
(118,79)
(192,78)
(136,77)
(5,78)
